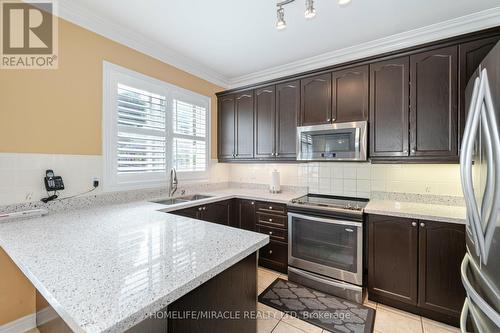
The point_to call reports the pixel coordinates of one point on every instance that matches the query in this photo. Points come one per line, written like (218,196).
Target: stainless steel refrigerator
(480,176)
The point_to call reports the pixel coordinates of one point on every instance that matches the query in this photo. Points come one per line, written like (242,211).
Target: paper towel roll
(274,187)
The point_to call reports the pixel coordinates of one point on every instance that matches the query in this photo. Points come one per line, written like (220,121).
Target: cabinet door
(217,212)
(287,112)
(192,212)
(246,213)
(316,99)
(392,261)
(389,105)
(350,94)
(470,56)
(274,256)
(226,130)
(265,122)
(441,250)
(433,98)
(244,125)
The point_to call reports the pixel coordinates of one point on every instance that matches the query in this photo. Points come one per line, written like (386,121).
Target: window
(150,126)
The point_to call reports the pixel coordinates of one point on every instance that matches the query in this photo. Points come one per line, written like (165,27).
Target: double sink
(179,200)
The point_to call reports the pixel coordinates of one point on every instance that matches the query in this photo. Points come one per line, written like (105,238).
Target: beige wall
(59,112)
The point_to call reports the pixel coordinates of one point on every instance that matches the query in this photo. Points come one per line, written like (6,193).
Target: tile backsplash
(357,179)
(22,174)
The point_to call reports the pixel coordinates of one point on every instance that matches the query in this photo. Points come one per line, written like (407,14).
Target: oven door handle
(325,220)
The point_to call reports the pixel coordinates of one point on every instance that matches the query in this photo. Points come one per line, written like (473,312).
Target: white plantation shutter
(189,136)
(141,131)
(150,126)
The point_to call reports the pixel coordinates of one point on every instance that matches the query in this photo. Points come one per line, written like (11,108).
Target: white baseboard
(20,325)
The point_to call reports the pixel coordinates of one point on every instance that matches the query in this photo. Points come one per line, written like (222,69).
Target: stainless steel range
(325,244)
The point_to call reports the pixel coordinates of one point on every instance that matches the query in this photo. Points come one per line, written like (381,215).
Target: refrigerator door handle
(474,295)
(492,134)
(466,163)
(463,317)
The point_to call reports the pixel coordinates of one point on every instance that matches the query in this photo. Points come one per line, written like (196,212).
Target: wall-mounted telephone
(52,182)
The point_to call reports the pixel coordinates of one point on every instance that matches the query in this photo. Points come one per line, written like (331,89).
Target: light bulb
(344,2)
(310,11)
(280,23)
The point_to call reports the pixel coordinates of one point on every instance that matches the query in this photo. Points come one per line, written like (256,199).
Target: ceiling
(233,39)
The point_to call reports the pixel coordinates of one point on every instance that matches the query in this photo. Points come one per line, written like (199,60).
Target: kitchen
(150,187)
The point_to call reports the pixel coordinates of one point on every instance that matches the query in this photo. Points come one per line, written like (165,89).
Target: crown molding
(81,16)
(473,22)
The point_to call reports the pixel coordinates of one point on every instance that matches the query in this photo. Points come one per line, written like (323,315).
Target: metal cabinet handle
(200,208)
(204,208)
(413,151)
(328,119)
(414,224)
(253,202)
(333,119)
(422,224)
(270,251)
(270,207)
(270,220)
(276,154)
(270,232)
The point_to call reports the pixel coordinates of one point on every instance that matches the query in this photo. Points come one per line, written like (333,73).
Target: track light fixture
(280,23)
(310,11)
(308,14)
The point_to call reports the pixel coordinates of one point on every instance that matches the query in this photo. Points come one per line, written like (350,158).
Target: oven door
(326,246)
(337,142)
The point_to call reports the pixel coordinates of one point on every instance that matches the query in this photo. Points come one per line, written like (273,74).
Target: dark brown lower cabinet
(414,265)
(261,216)
(274,256)
(218,212)
(392,262)
(246,214)
(441,250)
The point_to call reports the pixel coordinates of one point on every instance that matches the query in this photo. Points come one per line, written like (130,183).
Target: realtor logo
(29,35)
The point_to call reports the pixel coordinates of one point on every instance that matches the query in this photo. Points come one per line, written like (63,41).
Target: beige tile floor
(387,319)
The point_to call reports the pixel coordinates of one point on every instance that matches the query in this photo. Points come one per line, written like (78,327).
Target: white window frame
(114,74)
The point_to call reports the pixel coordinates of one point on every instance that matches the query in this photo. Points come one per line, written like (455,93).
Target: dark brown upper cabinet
(265,122)
(287,112)
(470,56)
(316,100)
(389,92)
(433,103)
(226,130)
(244,110)
(350,94)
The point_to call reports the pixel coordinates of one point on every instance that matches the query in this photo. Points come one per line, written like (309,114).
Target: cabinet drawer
(274,233)
(271,220)
(270,207)
(274,256)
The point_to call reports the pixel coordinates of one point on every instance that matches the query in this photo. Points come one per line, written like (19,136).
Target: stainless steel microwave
(332,142)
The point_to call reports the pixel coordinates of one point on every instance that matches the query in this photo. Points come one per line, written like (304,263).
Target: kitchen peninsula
(112,268)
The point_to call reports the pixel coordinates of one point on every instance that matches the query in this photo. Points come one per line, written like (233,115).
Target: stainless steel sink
(195,197)
(170,201)
(185,198)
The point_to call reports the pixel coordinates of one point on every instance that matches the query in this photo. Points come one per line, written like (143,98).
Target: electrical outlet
(95,182)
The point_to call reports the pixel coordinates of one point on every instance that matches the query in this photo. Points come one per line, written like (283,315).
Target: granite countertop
(105,269)
(417,210)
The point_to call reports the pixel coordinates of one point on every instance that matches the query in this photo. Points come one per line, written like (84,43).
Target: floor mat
(331,313)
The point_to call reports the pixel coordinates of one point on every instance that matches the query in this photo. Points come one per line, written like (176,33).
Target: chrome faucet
(173,182)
